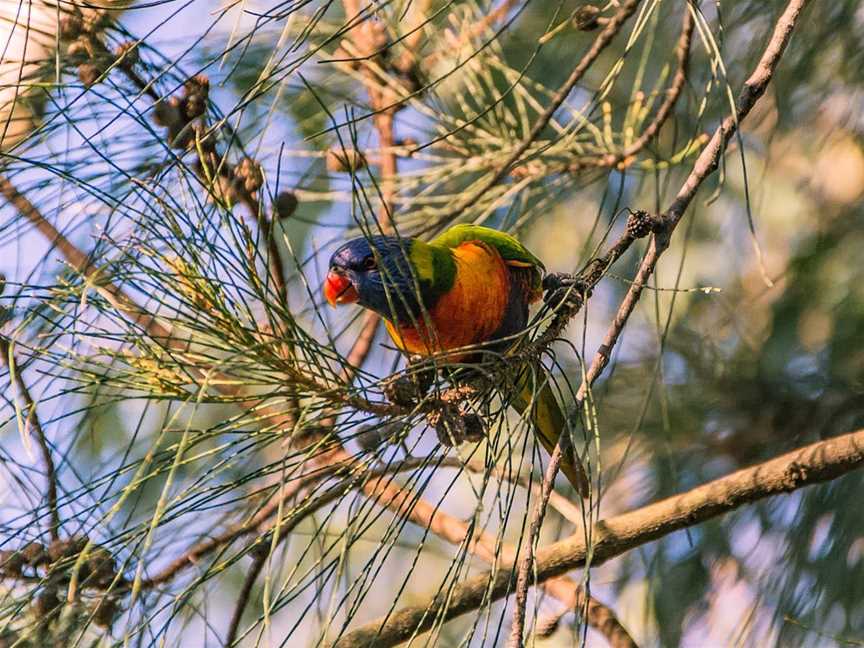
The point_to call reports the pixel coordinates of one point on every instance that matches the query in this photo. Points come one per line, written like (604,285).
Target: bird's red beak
(339,290)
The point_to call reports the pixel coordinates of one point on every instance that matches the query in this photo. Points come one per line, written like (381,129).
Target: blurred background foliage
(734,356)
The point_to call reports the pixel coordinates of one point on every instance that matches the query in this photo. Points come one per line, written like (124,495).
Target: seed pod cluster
(248,175)
(455,424)
(88,73)
(640,223)
(408,389)
(177,113)
(196,91)
(71,26)
(55,565)
(59,559)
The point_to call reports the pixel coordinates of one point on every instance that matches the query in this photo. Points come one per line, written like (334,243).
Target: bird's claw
(560,288)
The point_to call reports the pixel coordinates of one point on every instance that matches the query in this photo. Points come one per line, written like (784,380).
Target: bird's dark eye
(369,263)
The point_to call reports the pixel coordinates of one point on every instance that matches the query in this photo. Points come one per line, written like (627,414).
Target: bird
(471,285)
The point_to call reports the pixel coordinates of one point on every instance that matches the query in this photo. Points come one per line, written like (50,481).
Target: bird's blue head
(376,273)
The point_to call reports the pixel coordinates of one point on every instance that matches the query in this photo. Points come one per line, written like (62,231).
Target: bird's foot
(562,288)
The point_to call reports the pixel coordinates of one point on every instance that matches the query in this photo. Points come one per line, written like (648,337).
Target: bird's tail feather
(549,421)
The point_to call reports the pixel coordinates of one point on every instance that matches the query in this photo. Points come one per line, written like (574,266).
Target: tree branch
(601,42)
(813,464)
(8,359)
(705,164)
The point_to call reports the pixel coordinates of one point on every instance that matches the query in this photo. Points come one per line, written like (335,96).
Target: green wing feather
(548,420)
(508,246)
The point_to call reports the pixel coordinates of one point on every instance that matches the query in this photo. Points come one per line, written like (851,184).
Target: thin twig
(258,523)
(601,42)
(8,359)
(378,486)
(81,262)
(363,36)
(245,592)
(625,157)
(679,80)
(456,43)
(705,164)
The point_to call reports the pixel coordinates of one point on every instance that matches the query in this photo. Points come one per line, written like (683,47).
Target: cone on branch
(344,161)
(196,94)
(71,26)
(587,18)
(106,611)
(249,175)
(285,205)
(455,424)
(89,74)
(408,389)
(128,52)
(11,563)
(640,223)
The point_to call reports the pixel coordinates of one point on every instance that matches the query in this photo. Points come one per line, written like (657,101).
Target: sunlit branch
(705,164)
(601,42)
(813,464)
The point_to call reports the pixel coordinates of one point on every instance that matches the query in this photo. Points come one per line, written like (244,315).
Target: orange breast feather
(469,313)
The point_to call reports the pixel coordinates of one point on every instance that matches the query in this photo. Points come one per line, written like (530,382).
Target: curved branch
(8,358)
(705,164)
(813,464)
(601,42)
(682,56)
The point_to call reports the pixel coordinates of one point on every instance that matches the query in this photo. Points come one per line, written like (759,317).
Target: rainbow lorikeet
(469,286)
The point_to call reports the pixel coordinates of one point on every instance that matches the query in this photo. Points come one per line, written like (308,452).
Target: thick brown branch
(806,466)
